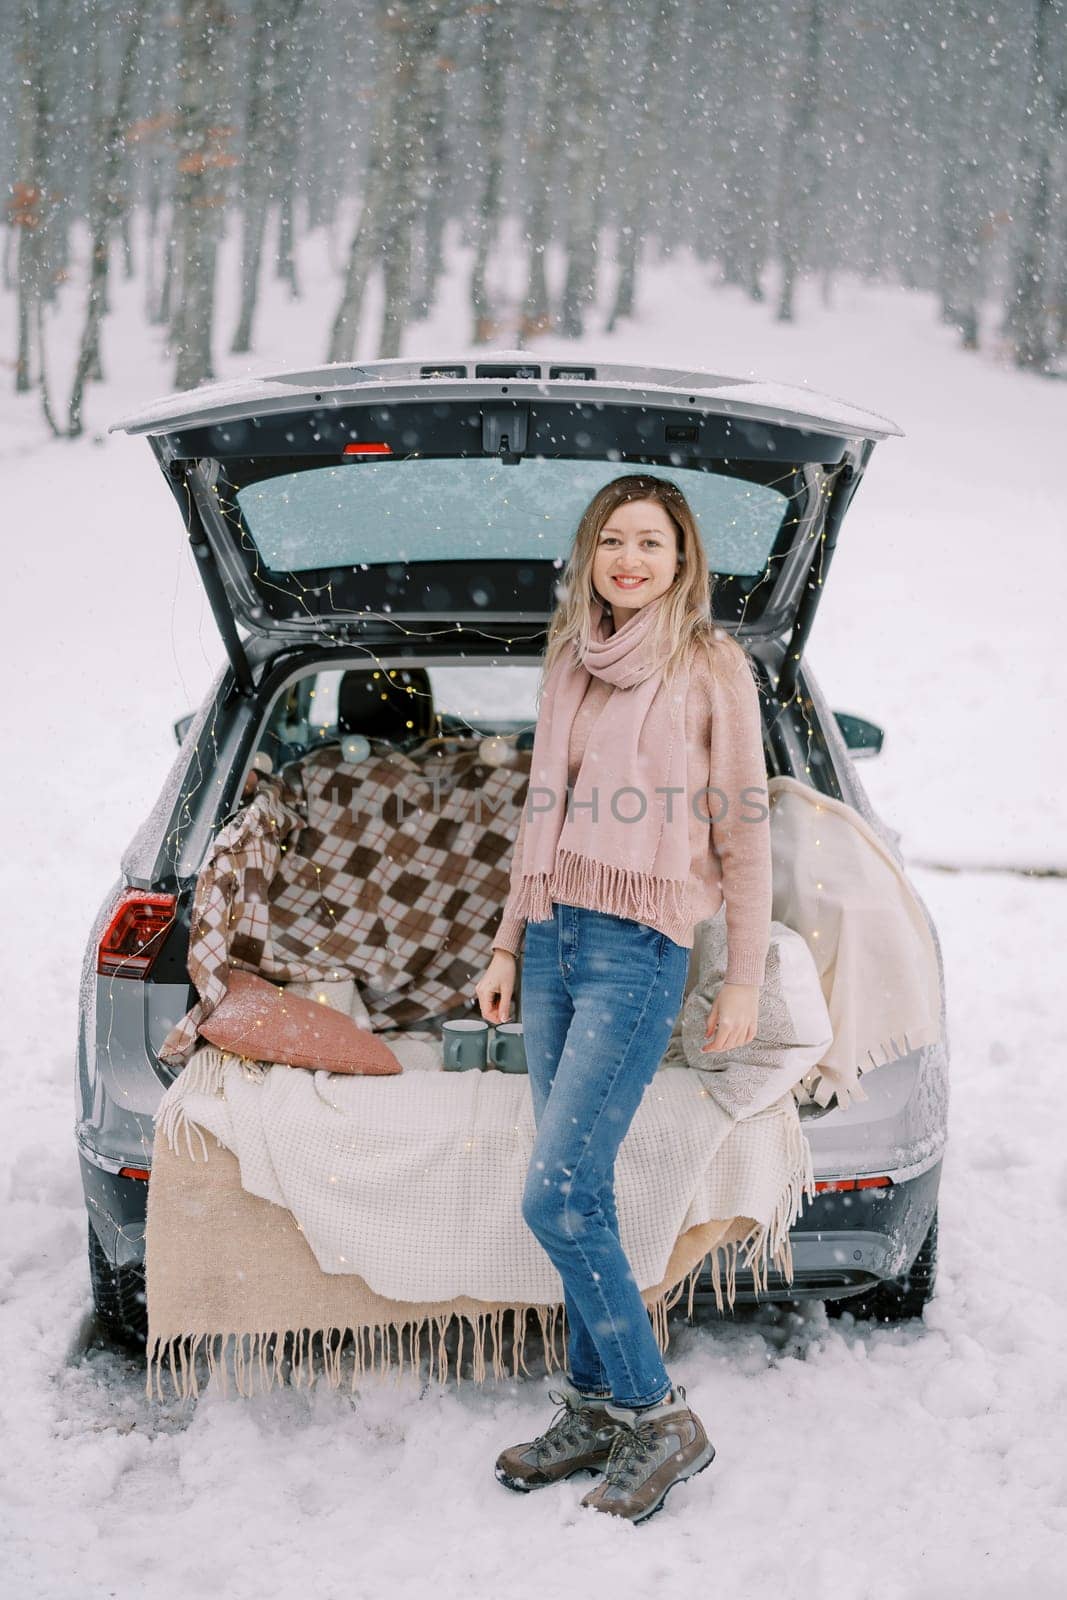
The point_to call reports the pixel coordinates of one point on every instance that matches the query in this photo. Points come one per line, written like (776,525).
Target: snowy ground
(902,1464)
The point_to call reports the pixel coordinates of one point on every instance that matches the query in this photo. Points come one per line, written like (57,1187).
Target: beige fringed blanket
(839,885)
(391,1207)
(239,1271)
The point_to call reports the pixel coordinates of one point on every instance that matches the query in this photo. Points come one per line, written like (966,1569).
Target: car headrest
(382,703)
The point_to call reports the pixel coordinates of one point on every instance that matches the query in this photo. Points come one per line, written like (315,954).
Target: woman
(652,714)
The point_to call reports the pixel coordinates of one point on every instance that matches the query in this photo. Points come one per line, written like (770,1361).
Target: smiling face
(636,557)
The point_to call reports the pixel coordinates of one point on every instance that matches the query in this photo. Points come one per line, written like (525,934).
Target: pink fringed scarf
(622,844)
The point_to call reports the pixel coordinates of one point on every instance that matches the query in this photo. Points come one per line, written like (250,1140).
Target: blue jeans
(600,995)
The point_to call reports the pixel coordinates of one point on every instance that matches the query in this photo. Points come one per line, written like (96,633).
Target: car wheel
(896,1299)
(119,1298)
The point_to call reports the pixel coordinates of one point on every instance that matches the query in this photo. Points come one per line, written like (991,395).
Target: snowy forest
(790,207)
(919,145)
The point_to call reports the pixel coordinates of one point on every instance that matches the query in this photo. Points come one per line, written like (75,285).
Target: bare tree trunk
(668,215)
(890,243)
(97,122)
(753,195)
(430,262)
(125,224)
(170,270)
(382,232)
(9,251)
(800,167)
(104,211)
(494,60)
(25,207)
(52,243)
(585,173)
(542,146)
(417,25)
(1060,324)
(268,149)
(201,188)
(294,64)
(963,212)
(949,200)
(643,152)
(151,291)
(344,333)
(363,250)
(285,260)
(149,134)
(1027,318)
(256,164)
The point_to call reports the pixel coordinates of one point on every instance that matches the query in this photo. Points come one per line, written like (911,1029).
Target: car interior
(401,707)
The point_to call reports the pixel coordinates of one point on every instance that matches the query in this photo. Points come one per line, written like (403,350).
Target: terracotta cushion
(259,1020)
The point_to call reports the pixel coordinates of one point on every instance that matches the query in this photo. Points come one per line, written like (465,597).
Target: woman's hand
(496,988)
(733,1017)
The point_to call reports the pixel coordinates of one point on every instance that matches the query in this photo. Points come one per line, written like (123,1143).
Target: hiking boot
(654,1449)
(578,1439)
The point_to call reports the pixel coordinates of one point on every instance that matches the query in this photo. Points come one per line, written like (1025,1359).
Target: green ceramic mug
(507,1048)
(464,1045)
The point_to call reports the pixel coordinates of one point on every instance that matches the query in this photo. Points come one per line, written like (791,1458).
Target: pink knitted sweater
(731,858)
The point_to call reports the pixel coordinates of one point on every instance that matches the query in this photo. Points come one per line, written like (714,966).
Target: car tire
(896,1299)
(119,1299)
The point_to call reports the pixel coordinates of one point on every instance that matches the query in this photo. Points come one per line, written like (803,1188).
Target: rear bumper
(844,1243)
(117,1209)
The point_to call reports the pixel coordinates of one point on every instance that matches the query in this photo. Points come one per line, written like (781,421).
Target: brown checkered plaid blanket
(392,871)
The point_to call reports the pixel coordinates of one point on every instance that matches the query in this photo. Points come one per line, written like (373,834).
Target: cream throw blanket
(838,884)
(415,1182)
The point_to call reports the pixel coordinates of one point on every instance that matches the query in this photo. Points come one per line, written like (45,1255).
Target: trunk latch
(504,431)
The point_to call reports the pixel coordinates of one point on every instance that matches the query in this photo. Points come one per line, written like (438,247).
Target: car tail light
(852,1183)
(141,1173)
(134,936)
(359,449)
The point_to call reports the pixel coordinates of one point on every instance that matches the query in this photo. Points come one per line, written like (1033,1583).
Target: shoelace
(632,1447)
(562,1431)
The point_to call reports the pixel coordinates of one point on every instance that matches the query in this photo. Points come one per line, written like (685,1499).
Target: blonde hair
(684,624)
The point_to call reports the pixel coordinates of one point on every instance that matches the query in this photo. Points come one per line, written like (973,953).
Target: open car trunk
(402,500)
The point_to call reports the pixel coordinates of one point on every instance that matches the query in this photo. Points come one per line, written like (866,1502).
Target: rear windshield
(375,512)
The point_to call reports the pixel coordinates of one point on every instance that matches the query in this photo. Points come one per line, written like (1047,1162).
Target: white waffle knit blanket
(415,1181)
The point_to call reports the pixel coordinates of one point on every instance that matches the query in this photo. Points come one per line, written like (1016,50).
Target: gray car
(415,516)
